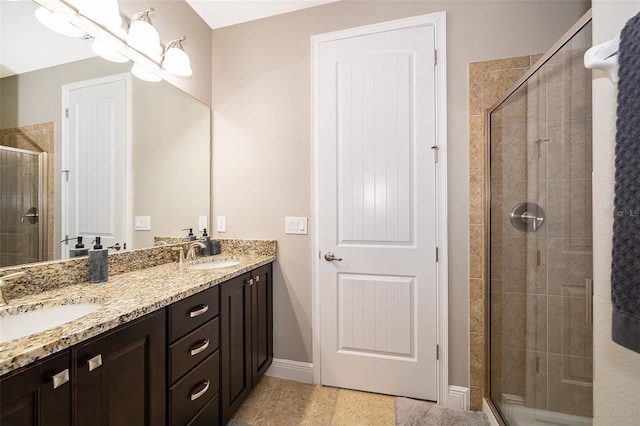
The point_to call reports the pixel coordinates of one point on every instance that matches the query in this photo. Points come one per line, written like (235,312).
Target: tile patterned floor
(279,402)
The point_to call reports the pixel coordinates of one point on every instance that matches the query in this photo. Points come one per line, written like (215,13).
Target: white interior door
(95,156)
(376,172)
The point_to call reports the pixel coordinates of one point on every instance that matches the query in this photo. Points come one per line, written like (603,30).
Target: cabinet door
(235,343)
(261,322)
(38,395)
(120,375)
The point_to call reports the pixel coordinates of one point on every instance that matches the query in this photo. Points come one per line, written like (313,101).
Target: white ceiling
(222,13)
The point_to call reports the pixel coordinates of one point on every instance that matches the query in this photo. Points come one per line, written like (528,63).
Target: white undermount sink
(215,264)
(27,323)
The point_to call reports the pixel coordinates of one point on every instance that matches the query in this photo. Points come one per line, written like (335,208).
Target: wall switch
(143,223)
(203,223)
(295,225)
(221,224)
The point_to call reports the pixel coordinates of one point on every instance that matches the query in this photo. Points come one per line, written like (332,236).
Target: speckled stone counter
(125,297)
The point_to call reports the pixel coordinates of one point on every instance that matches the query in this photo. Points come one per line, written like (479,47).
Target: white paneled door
(95,156)
(376,173)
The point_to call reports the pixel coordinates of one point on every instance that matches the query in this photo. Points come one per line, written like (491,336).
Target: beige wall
(616,369)
(262,144)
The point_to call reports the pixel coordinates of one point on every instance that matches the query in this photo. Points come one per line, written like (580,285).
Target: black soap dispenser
(98,263)
(206,240)
(190,236)
(79,249)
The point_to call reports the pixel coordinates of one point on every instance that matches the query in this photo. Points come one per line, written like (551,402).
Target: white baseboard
(291,370)
(458,397)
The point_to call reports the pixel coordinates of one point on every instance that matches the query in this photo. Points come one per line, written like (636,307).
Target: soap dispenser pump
(79,249)
(190,236)
(98,263)
(206,240)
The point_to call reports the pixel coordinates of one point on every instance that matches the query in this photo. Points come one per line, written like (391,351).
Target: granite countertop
(124,297)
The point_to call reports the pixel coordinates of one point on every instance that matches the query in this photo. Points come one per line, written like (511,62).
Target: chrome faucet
(191,249)
(3,282)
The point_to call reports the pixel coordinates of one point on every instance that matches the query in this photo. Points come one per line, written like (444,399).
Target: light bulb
(57,23)
(144,73)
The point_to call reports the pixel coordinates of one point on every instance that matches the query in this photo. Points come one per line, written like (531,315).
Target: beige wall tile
(513,371)
(476,76)
(477,191)
(476,251)
(476,398)
(477,142)
(503,64)
(476,368)
(476,306)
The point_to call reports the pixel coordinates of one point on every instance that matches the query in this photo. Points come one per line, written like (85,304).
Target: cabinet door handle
(257,279)
(95,362)
(249,281)
(198,311)
(201,392)
(203,344)
(61,378)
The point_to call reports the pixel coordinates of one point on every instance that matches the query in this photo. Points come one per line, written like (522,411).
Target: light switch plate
(143,223)
(221,224)
(295,225)
(202,223)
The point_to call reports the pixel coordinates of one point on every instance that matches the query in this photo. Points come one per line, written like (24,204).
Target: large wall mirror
(168,154)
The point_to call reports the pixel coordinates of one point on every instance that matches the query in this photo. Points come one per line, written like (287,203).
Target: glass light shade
(144,37)
(57,23)
(104,12)
(177,62)
(107,52)
(144,73)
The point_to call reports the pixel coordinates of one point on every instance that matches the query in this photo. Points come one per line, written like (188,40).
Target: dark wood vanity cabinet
(120,375)
(192,364)
(193,360)
(261,322)
(246,335)
(39,394)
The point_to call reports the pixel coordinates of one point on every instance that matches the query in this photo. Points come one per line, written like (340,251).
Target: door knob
(329,257)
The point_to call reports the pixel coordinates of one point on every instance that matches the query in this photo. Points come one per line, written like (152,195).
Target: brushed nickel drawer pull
(203,344)
(249,281)
(198,311)
(61,378)
(201,392)
(257,279)
(95,362)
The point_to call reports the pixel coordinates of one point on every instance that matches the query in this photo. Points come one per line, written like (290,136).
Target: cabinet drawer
(192,312)
(191,393)
(209,415)
(188,351)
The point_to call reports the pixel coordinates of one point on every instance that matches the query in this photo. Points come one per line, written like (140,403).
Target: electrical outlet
(221,224)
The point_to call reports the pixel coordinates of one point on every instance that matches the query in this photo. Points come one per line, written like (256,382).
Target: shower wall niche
(540,273)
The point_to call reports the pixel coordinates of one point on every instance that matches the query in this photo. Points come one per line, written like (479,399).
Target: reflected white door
(377,211)
(95,153)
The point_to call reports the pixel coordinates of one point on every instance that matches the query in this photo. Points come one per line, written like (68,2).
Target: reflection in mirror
(168,159)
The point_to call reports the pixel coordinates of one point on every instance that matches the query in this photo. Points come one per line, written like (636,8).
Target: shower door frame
(566,37)
(42,197)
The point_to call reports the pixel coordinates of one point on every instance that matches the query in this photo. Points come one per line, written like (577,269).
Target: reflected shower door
(21,202)
(541,244)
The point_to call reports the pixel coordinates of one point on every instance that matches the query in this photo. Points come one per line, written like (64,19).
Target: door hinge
(435,57)
(435,149)
(437,254)
(437,352)
(66,112)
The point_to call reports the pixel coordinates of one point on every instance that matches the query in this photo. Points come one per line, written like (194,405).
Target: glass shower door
(541,244)
(21,178)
